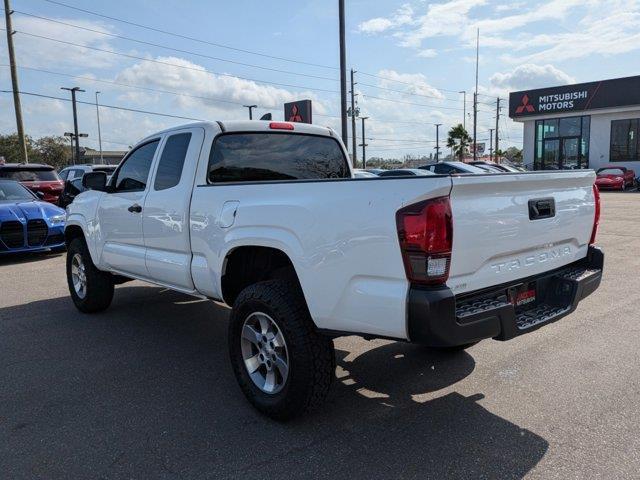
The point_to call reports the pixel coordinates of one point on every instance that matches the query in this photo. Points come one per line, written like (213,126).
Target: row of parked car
(608,178)
(441,168)
(32,202)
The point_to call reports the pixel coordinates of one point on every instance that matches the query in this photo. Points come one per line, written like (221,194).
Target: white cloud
(505,7)
(402,16)
(428,53)
(191,78)
(39,52)
(528,76)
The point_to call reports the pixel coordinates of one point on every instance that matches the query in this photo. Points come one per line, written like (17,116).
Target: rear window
(610,171)
(251,157)
(29,175)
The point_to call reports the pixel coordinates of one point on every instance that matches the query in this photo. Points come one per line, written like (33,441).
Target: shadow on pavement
(145,390)
(27,257)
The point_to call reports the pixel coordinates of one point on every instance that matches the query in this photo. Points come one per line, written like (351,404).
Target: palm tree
(459,141)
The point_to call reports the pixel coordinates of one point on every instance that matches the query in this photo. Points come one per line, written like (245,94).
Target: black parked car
(71,189)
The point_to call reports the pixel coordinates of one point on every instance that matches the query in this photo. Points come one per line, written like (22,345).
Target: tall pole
(364,144)
(14,82)
(251,107)
(497,124)
(491,144)
(438,142)
(475,101)
(464,108)
(353,122)
(343,74)
(75,120)
(99,134)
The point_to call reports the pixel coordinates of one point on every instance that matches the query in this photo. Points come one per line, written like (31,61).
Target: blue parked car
(28,224)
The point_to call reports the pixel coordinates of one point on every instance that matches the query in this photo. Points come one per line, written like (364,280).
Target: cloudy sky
(205,60)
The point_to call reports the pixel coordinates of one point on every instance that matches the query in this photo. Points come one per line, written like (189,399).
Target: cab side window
(442,169)
(172,161)
(133,174)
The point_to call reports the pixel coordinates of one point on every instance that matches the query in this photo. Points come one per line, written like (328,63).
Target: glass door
(570,153)
(551,156)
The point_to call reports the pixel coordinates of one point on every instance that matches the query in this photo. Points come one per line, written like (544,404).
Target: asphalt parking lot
(145,390)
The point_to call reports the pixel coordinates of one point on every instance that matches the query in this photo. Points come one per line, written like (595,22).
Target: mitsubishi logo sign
(525,105)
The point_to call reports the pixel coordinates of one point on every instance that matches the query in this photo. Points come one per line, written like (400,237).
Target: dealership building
(587,125)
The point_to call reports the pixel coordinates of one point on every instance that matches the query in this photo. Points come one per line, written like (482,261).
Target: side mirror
(40,195)
(95,181)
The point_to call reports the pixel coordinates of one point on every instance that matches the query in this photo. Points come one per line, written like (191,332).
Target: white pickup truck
(266,217)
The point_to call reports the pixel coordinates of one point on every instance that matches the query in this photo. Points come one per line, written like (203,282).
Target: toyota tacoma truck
(267,218)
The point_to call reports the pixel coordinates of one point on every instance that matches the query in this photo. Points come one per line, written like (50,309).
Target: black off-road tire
(99,284)
(311,355)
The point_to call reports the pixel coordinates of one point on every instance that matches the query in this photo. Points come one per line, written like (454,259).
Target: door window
(172,161)
(133,173)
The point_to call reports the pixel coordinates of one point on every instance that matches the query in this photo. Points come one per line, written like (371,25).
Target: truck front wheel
(282,364)
(91,289)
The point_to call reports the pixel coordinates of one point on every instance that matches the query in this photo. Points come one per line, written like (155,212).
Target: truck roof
(252,126)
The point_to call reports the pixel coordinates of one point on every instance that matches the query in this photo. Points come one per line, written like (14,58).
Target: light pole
(250,107)
(343,73)
(364,144)
(75,118)
(464,108)
(491,144)
(99,134)
(438,142)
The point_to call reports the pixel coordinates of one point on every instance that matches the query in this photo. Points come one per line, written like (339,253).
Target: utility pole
(353,112)
(497,123)
(475,101)
(364,144)
(75,120)
(250,107)
(343,74)
(464,108)
(14,82)
(99,134)
(491,144)
(438,142)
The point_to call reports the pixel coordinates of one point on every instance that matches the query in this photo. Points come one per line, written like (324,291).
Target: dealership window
(625,140)
(562,143)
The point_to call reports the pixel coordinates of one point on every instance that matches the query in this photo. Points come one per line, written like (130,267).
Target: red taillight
(596,218)
(425,231)
(280,126)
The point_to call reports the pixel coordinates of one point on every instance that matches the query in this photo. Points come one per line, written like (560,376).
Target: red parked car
(42,180)
(615,178)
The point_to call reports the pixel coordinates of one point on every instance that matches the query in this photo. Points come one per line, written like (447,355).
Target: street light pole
(438,142)
(354,113)
(99,134)
(464,108)
(343,74)
(75,119)
(364,144)
(250,107)
(491,144)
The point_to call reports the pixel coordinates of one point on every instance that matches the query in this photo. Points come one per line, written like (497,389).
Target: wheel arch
(249,264)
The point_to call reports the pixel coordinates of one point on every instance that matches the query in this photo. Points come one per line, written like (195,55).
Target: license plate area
(524,296)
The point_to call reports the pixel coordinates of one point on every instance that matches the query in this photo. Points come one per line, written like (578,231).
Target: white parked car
(266,217)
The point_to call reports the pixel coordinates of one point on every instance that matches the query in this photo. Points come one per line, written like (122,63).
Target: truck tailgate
(512,226)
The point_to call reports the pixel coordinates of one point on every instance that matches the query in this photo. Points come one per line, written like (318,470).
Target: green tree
(10,148)
(54,151)
(459,141)
(514,155)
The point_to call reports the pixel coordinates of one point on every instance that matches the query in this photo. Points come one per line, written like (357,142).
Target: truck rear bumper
(439,318)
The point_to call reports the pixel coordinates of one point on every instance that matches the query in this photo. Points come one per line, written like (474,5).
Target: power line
(149,89)
(160,62)
(410,93)
(188,52)
(187,37)
(115,107)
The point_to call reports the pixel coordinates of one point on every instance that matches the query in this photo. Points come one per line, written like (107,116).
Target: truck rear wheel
(282,364)
(91,289)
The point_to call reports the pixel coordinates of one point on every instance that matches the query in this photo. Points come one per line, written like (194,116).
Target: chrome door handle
(135,208)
